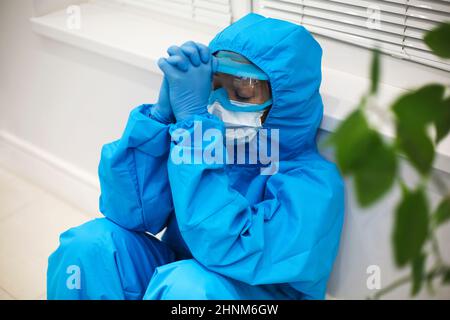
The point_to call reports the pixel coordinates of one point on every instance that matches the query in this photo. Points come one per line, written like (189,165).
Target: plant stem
(397,283)
(440,185)
(382,114)
(435,248)
(436,271)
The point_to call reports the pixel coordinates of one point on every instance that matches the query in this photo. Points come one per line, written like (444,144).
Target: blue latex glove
(189,73)
(162,110)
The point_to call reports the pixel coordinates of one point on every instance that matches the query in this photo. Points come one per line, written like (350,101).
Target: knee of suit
(82,253)
(101,250)
(189,280)
(99,238)
(86,240)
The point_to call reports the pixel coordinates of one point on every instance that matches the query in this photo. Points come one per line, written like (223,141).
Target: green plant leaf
(442,120)
(417,146)
(442,213)
(424,106)
(417,108)
(418,265)
(362,152)
(353,141)
(438,40)
(415,111)
(375,72)
(446,276)
(429,282)
(410,227)
(376,175)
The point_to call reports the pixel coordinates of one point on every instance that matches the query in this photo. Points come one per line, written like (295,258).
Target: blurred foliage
(410,227)
(443,212)
(437,40)
(421,119)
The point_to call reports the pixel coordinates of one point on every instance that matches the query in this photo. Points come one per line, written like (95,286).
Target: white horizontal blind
(396,27)
(213,12)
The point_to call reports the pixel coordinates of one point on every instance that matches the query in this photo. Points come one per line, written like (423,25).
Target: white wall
(69,102)
(66,101)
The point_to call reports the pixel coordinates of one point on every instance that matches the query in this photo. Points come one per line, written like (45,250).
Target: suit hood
(291,58)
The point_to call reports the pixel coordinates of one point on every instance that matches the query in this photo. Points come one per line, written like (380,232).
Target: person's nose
(245,91)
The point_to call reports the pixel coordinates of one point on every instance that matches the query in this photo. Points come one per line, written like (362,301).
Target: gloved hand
(162,110)
(189,73)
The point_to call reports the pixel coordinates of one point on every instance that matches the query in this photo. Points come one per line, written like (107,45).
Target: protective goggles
(239,85)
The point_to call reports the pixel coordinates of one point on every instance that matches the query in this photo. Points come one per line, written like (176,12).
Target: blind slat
(395,26)
(431,5)
(428,14)
(351,29)
(385,6)
(419,23)
(390,48)
(352,21)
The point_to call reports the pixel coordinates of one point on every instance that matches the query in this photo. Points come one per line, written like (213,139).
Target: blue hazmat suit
(231,233)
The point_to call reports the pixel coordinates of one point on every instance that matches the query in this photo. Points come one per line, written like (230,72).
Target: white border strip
(58,176)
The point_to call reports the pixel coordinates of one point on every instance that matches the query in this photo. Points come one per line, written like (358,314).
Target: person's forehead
(228,79)
(233,56)
(237,65)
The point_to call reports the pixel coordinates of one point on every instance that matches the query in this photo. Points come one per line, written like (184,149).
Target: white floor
(31,220)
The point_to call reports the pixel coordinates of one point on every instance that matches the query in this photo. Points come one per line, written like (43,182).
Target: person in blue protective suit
(231,232)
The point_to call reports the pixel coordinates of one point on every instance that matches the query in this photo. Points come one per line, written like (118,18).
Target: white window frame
(398,72)
(354,59)
(345,66)
(395,32)
(238,9)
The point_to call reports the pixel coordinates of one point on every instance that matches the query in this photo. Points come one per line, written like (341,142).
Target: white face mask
(241,126)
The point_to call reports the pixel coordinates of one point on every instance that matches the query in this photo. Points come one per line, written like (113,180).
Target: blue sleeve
(135,191)
(291,236)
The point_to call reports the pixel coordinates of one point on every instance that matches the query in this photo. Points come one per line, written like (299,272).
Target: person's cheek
(232,94)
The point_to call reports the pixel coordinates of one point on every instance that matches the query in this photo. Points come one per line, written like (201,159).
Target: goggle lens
(243,89)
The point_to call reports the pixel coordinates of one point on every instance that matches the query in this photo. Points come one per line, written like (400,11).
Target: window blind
(213,12)
(396,27)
